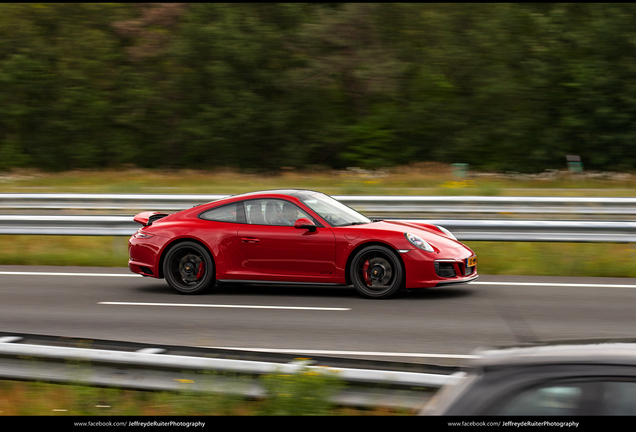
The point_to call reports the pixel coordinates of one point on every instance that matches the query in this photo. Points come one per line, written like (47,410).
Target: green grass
(555,259)
(416,179)
(64,250)
(304,393)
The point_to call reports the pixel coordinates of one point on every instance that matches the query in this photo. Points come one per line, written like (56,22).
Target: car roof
(617,351)
(289,192)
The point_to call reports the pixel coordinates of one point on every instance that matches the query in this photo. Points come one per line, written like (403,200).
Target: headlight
(447,232)
(418,242)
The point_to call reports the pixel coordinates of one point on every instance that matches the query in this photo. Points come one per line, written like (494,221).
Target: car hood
(427,231)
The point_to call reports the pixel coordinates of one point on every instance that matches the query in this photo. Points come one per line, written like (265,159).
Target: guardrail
(150,367)
(468,224)
(385,206)
(463,229)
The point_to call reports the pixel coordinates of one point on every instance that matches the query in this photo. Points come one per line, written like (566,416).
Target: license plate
(472,261)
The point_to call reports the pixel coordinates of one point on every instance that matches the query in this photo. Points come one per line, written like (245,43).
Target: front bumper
(425,271)
(458,282)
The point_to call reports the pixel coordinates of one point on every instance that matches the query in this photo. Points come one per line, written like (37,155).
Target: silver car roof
(601,352)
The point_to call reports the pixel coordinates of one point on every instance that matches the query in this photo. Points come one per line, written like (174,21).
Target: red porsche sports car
(298,237)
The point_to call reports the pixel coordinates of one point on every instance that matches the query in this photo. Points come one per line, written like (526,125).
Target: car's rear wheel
(188,268)
(376,272)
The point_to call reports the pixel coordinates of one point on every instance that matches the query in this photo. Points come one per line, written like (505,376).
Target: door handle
(250,240)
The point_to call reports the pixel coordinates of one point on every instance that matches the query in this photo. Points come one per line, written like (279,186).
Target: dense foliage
(263,86)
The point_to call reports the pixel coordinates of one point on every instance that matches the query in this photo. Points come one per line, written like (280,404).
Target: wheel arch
(175,242)
(364,245)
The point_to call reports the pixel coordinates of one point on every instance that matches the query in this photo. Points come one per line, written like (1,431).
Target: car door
(272,245)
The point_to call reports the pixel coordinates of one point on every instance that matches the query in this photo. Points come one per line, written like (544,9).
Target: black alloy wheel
(376,272)
(188,268)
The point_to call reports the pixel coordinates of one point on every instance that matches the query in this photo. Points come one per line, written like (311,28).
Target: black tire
(188,268)
(376,272)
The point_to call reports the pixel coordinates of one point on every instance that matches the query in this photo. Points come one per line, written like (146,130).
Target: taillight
(142,235)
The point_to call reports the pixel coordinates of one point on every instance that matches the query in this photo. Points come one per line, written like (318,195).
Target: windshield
(334,212)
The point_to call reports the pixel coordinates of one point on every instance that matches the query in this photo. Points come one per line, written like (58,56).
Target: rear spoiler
(147,218)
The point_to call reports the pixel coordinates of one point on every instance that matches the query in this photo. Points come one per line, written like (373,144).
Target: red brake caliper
(365,272)
(200,271)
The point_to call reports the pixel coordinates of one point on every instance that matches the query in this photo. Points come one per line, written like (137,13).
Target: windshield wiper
(355,223)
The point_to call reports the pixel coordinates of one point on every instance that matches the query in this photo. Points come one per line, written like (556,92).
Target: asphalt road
(418,326)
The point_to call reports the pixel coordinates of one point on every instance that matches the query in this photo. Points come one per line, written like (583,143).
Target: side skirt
(277,282)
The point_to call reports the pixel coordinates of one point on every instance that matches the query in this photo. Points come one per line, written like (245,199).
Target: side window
(555,398)
(595,396)
(227,213)
(619,398)
(273,212)
(560,400)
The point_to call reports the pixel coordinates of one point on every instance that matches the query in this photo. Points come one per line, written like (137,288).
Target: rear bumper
(142,256)
(143,269)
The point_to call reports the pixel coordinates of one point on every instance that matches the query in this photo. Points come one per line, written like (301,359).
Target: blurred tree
(236,106)
(501,86)
(148,110)
(150,29)
(593,47)
(353,74)
(59,76)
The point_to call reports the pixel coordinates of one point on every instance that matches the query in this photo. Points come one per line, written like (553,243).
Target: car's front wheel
(376,272)
(188,268)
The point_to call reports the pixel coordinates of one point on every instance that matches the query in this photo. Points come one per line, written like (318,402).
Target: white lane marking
(224,306)
(332,352)
(68,274)
(557,284)
(574,285)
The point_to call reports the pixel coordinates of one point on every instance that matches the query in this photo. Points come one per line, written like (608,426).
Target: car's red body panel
(267,253)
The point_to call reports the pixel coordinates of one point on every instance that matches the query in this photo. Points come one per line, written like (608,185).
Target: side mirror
(304,223)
